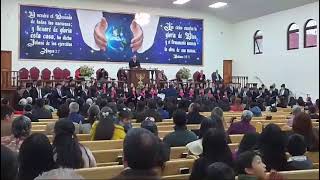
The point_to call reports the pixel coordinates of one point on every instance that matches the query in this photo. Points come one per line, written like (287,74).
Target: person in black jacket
(215,149)
(27,112)
(27,92)
(141,153)
(151,112)
(134,63)
(194,116)
(40,112)
(37,92)
(297,149)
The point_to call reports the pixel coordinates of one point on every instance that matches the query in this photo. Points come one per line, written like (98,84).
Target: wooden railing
(9,79)
(242,80)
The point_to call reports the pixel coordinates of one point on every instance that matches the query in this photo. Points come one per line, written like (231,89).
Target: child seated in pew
(250,166)
(297,148)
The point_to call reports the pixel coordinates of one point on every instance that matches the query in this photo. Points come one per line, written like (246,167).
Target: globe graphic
(118,39)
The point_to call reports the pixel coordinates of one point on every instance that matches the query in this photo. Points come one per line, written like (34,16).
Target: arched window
(310,33)
(258,40)
(293,36)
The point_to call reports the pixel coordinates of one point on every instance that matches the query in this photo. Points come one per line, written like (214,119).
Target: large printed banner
(85,35)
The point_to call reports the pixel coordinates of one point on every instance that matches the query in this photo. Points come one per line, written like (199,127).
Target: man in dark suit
(284,94)
(81,88)
(134,63)
(38,92)
(71,93)
(273,93)
(27,92)
(58,96)
(216,78)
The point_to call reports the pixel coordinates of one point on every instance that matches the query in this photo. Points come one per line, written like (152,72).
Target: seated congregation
(38,142)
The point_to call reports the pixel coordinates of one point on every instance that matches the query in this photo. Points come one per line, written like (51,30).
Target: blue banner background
(182,37)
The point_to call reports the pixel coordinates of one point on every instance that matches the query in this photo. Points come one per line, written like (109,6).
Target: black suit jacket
(79,90)
(26,94)
(34,93)
(32,117)
(69,95)
(56,99)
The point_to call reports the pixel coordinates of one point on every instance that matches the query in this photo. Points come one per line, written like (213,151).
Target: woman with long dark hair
(68,152)
(93,113)
(272,146)
(195,147)
(105,129)
(215,149)
(249,142)
(35,157)
(302,125)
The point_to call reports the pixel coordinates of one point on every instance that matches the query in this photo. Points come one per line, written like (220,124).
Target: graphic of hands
(99,34)
(137,39)
(102,42)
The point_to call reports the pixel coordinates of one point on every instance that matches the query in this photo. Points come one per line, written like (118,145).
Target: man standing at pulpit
(134,63)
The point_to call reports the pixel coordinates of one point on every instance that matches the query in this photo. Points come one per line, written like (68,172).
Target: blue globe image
(118,39)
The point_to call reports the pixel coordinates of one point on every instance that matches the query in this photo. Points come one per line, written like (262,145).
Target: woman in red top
(113,93)
(153,92)
(237,106)
(181,93)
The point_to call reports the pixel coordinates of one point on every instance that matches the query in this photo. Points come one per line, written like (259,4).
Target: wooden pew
(301,174)
(107,172)
(313,156)
(38,131)
(177,166)
(171,127)
(103,145)
(48,120)
(176,177)
(81,137)
(114,156)
(236,138)
(39,123)
(178,152)
(38,127)
(108,157)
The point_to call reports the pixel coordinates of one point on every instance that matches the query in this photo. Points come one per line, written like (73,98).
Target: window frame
(305,29)
(255,38)
(291,32)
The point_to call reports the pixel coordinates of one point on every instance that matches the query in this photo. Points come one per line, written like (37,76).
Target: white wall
(298,69)
(216,35)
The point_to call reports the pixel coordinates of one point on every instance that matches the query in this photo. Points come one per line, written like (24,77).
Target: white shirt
(195,147)
(72,92)
(39,93)
(59,92)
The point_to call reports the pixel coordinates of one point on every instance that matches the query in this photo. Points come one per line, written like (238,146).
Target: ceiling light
(181,1)
(218,5)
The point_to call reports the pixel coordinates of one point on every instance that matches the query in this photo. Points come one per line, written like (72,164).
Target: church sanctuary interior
(160,89)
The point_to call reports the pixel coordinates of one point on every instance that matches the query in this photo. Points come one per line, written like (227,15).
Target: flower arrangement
(86,71)
(184,73)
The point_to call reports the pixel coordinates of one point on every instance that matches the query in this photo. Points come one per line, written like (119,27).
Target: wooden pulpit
(139,77)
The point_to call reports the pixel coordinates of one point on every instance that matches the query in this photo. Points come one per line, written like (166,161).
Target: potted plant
(183,74)
(86,72)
